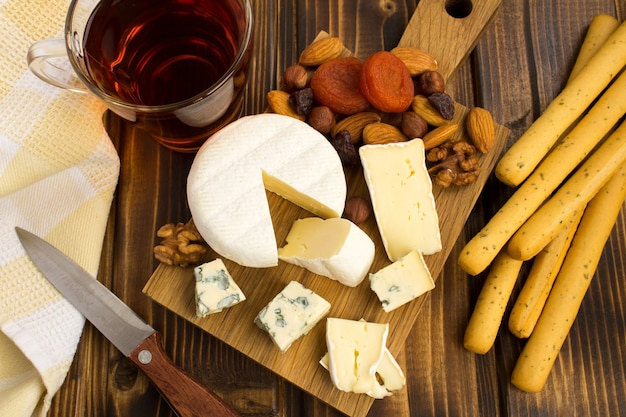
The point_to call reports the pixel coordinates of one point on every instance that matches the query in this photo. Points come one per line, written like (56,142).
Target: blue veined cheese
(215,288)
(227,183)
(402,198)
(291,314)
(355,352)
(402,281)
(335,248)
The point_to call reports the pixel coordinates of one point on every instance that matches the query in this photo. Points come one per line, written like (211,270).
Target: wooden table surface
(519,65)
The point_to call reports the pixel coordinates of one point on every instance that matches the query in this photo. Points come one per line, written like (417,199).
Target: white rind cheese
(388,372)
(231,171)
(291,314)
(355,351)
(402,281)
(335,248)
(215,288)
(402,198)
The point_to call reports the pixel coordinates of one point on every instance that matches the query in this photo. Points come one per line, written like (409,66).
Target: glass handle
(48,60)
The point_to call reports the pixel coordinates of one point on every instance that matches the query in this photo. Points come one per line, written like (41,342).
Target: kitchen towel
(58,173)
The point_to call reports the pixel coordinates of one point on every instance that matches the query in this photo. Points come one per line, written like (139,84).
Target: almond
(380,133)
(278,101)
(480,128)
(422,106)
(439,135)
(355,124)
(416,60)
(321,51)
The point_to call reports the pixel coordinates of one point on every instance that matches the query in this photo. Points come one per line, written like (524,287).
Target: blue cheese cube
(215,288)
(291,314)
(402,281)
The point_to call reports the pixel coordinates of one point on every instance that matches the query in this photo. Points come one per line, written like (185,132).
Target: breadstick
(486,318)
(546,222)
(542,348)
(534,293)
(522,158)
(560,162)
(600,28)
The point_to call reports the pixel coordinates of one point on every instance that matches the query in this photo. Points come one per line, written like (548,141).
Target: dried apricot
(386,82)
(336,84)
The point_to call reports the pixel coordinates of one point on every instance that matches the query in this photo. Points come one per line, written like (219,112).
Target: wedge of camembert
(402,197)
(388,372)
(292,314)
(357,357)
(335,248)
(402,281)
(231,171)
(215,288)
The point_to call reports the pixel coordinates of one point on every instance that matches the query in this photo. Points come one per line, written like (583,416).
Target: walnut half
(181,245)
(453,163)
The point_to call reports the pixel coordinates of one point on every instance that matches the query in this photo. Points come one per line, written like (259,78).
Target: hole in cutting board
(459,8)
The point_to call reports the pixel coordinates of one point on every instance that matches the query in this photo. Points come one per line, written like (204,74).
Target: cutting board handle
(448,29)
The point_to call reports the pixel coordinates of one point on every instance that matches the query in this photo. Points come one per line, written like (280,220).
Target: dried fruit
(302,101)
(386,82)
(439,135)
(429,82)
(279,102)
(416,60)
(321,50)
(357,210)
(346,150)
(480,128)
(336,84)
(413,125)
(443,103)
(381,133)
(425,109)
(355,124)
(322,119)
(295,77)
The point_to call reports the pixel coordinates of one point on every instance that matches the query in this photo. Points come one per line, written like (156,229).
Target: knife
(128,332)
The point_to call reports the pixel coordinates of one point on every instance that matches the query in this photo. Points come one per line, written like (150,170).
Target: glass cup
(174,68)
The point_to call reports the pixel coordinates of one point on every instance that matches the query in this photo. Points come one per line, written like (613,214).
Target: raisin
(443,103)
(302,101)
(346,150)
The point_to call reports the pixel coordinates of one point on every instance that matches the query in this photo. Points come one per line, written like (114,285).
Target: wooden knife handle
(185,395)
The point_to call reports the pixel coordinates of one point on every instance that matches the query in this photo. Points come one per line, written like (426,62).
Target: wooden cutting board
(450,39)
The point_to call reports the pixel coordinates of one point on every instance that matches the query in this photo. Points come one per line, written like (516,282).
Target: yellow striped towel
(58,173)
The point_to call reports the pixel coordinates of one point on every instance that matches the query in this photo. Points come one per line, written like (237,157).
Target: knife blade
(136,339)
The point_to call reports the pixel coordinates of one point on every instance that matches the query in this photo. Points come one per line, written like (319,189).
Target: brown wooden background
(520,64)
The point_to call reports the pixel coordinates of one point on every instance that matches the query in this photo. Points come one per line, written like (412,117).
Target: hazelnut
(429,82)
(295,77)
(357,210)
(413,125)
(322,119)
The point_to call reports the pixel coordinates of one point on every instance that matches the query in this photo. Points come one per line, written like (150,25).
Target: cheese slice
(292,314)
(402,198)
(402,281)
(388,372)
(335,248)
(231,171)
(355,350)
(215,288)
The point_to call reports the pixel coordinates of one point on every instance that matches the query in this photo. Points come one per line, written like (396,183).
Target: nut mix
(388,97)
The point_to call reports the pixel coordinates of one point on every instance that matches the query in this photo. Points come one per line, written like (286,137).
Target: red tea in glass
(176,68)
